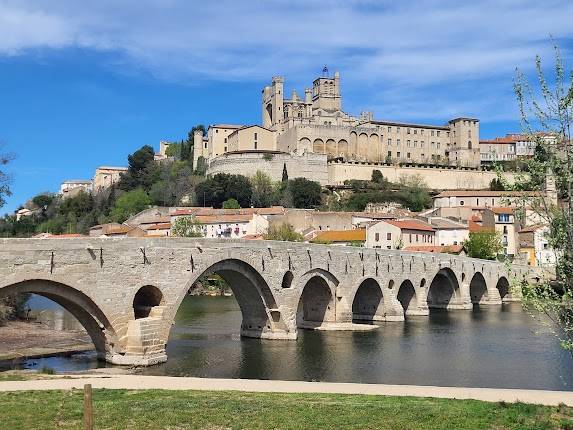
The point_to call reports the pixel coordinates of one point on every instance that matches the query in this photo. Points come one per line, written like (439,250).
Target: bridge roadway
(126,291)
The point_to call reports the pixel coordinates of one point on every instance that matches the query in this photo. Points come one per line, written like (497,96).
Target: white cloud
(411,46)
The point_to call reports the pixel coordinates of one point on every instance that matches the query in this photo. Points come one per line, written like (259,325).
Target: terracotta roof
(410,224)
(159,226)
(214,219)
(501,210)
(157,220)
(357,235)
(485,193)
(474,227)
(435,248)
(531,228)
(253,237)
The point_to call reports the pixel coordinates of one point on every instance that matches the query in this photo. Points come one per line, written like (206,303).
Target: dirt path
(20,339)
(136,382)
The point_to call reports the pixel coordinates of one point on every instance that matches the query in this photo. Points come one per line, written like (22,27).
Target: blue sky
(83,84)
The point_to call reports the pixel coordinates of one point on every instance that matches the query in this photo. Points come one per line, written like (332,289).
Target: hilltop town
(360,181)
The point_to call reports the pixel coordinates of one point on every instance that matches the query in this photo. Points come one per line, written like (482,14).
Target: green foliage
(262,186)
(43,200)
(305,193)
(201,169)
(285,173)
(12,306)
(142,170)
(484,244)
(377,176)
(547,119)
(223,186)
(267,156)
(4,179)
(284,232)
(231,204)
(129,204)
(496,184)
(187,226)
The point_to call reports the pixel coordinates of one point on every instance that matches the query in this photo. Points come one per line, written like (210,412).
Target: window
(377,237)
(397,142)
(432,133)
(503,217)
(408,143)
(423,155)
(438,133)
(415,131)
(389,153)
(389,142)
(408,155)
(504,229)
(255,136)
(416,238)
(216,131)
(389,129)
(388,236)
(422,132)
(225,149)
(408,131)
(397,129)
(469,144)
(225,140)
(398,154)
(438,145)
(469,134)
(255,145)
(415,143)
(461,202)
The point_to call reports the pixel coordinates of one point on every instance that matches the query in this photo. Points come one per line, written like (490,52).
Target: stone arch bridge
(126,291)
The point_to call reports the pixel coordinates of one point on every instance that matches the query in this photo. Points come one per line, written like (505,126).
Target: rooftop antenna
(325,72)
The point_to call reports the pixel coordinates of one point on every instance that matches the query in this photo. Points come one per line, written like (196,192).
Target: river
(494,346)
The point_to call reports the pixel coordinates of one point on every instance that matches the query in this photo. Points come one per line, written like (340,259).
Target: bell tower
(273,103)
(326,92)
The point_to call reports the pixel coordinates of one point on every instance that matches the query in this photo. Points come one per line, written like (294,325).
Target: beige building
(251,138)
(399,234)
(106,176)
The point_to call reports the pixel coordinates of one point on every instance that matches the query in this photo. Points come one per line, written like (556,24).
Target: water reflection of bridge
(126,292)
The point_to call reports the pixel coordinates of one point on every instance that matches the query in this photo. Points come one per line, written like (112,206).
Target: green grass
(152,409)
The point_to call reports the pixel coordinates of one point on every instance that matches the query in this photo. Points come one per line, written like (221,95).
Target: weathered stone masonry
(126,291)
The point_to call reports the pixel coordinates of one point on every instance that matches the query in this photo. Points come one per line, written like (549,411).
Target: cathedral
(316,124)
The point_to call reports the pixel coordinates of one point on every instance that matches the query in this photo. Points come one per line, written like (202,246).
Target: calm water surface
(498,346)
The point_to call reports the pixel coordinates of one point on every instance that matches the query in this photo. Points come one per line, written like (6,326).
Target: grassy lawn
(152,409)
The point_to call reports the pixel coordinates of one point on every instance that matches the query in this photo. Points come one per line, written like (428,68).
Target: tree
(496,185)
(129,204)
(187,226)
(483,244)
(547,119)
(201,169)
(231,204)
(5,179)
(142,170)
(285,173)
(305,193)
(284,232)
(223,186)
(262,186)
(43,200)
(377,176)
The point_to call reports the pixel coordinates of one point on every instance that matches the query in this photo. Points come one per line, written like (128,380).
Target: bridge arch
(316,304)
(444,289)
(407,296)
(478,289)
(261,316)
(82,307)
(145,299)
(368,301)
(503,288)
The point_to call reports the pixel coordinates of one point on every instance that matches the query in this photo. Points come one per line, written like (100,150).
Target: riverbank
(22,339)
(191,409)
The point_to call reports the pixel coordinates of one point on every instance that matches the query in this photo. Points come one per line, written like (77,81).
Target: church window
(469,144)
(255,137)
(255,145)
